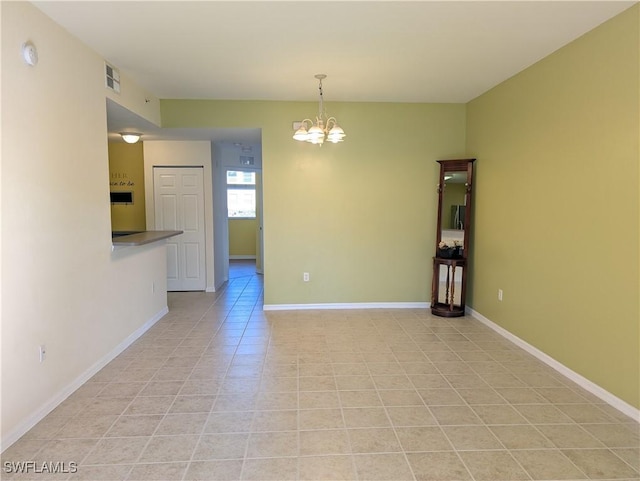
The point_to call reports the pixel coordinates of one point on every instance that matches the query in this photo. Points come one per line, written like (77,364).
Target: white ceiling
(373,51)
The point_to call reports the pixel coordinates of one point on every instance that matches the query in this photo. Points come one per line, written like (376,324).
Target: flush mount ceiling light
(130,137)
(324,128)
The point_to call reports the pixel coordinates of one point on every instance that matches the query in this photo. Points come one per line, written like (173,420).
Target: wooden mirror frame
(449,308)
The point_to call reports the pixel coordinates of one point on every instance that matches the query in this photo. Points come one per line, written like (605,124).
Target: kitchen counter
(126,239)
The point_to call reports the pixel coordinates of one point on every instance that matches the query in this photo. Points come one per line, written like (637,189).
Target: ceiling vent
(112,79)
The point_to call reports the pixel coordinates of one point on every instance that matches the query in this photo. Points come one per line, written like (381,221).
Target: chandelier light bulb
(324,128)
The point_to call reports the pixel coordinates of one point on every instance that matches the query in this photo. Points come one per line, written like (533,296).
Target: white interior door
(178,194)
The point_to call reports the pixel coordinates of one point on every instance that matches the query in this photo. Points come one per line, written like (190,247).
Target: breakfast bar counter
(126,239)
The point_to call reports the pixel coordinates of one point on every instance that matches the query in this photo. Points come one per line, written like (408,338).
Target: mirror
(448,288)
(454,204)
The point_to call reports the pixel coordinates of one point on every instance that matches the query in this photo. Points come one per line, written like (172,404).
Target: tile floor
(221,390)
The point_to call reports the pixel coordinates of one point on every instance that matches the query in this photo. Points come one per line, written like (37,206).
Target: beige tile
(423,438)
(326,468)
(115,405)
(466,381)
(277,386)
(277,401)
(192,404)
(229,422)
(569,436)
(351,383)
(273,445)
(547,464)
(438,466)
(322,442)
(455,415)
(280,384)
(441,397)
(410,416)
(202,387)
(150,405)
(519,395)
(320,419)
(359,399)
(270,469)
(543,414)
(162,388)
(466,438)
(315,369)
(137,425)
(219,470)
(585,413)
(401,397)
(382,467)
(87,426)
(561,395)
(397,381)
(221,446)
(116,451)
(169,449)
(318,400)
(373,440)
(428,381)
(615,435)
(235,402)
(157,472)
(498,414)
(122,389)
(600,463)
(112,472)
(351,369)
(22,449)
(275,421)
(65,450)
(521,437)
(192,423)
(365,417)
(630,455)
(481,396)
(492,466)
(317,383)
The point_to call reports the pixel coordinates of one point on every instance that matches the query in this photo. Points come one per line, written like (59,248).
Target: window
(241,194)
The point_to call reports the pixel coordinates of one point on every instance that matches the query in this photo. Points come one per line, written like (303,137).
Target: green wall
(126,174)
(242,237)
(556,205)
(358,216)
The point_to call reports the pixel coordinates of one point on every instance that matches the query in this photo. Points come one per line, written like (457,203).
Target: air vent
(112,79)
(244,160)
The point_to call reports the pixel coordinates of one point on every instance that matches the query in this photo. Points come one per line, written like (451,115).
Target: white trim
(350,305)
(582,381)
(241,257)
(55,401)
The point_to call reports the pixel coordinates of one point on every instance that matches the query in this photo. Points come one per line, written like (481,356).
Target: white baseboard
(241,257)
(582,381)
(55,401)
(349,305)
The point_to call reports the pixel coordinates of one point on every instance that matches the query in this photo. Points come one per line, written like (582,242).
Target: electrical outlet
(43,352)
(305,276)
(500,294)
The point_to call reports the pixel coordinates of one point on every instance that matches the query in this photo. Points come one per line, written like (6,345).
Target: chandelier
(324,128)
